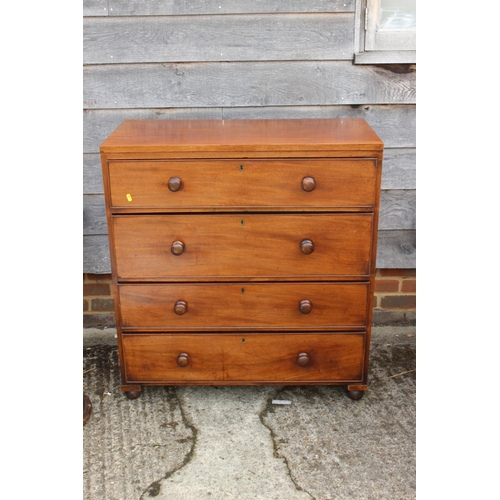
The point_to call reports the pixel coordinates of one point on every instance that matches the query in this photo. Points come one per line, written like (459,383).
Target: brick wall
(395,297)
(98,309)
(394,302)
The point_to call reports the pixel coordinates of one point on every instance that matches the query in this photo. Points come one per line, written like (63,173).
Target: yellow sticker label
(129,198)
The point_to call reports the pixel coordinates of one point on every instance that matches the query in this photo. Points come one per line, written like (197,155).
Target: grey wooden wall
(176,59)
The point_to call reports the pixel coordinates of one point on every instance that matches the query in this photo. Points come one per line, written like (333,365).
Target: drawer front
(287,358)
(263,184)
(181,307)
(245,245)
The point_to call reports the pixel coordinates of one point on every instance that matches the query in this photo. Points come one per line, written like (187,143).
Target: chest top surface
(157,136)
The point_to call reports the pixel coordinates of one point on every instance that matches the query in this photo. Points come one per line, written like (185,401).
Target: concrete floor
(217,443)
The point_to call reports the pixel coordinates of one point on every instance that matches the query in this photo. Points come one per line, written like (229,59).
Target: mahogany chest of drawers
(243,251)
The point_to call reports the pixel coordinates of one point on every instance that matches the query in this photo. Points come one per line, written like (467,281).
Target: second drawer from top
(245,246)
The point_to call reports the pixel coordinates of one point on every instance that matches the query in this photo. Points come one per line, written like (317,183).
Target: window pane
(398,14)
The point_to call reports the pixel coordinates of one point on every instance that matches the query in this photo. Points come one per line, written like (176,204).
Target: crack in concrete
(154,488)
(269,408)
(230,439)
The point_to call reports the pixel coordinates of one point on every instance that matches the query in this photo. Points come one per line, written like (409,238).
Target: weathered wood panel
(395,125)
(98,124)
(92,174)
(386,57)
(218,38)
(94,214)
(396,250)
(399,169)
(397,209)
(95,7)
(272,83)
(196,7)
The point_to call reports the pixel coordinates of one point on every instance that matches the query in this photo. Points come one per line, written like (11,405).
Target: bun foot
(356,392)
(355,395)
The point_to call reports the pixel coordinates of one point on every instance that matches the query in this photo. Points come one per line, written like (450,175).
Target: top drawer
(196,185)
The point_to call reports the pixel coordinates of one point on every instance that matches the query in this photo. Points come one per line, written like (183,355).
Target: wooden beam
(248,84)
(258,37)
(399,169)
(196,7)
(396,249)
(386,57)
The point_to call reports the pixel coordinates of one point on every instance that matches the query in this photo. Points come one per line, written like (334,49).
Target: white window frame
(378,46)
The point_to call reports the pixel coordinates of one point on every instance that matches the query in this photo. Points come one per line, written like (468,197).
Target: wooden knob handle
(180,307)
(308,184)
(307,246)
(305,306)
(174,184)
(183,359)
(303,359)
(177,247)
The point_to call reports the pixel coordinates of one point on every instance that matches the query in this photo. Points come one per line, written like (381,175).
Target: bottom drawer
(253,358)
